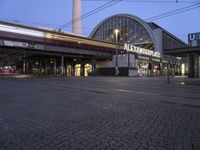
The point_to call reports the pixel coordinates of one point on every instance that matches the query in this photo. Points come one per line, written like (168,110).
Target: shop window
(68,70)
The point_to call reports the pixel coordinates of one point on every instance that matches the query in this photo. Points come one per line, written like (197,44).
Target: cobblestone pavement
(98,113)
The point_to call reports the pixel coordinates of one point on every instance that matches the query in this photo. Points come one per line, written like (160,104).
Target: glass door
(78,70)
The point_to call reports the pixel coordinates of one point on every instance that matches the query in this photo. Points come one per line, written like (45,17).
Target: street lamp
(116,52)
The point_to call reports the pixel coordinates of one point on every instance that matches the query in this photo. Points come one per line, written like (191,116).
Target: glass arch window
(131,31)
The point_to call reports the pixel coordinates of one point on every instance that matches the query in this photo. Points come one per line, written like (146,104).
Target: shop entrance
(143,67)
(78,70)
(69,70)
(156,68)
(87,70)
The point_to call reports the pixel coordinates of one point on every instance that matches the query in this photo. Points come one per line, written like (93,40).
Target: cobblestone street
(99,113)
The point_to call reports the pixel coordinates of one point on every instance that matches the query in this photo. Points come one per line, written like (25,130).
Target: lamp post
(116,52)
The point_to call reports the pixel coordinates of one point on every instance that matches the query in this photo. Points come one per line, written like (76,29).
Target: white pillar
(24,66)
(24,63)
(77,22)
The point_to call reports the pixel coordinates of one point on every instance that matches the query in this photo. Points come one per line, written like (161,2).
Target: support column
(54,67)
(41,67)
(73,69)
(62,65)
(45,67)
(82,69)
(27,67)
(190,66)
(128,65)
(196,66)
(161,68)
(128,60)
(24,63)
(93,66)
(24,66)
(173,67)
(188,62)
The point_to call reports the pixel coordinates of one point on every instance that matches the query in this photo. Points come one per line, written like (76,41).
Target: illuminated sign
(139,50)
(143,57)
(194,36)
(15,44)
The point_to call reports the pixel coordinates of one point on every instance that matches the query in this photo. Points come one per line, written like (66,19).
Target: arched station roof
(133,30)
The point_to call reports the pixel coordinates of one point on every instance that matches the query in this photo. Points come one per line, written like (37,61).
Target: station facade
(146,37)
(194,55)
(37,51)
(136,49)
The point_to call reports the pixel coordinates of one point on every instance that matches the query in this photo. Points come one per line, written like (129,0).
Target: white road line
(129,91)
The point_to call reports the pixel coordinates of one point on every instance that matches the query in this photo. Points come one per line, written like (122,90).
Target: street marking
(128,91)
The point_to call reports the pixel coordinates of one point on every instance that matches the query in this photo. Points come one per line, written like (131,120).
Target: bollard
(168,76)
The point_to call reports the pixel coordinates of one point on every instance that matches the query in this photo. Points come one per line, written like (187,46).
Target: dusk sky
(53,13)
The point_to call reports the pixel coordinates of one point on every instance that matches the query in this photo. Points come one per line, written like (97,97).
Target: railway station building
(135,32)
(123,45)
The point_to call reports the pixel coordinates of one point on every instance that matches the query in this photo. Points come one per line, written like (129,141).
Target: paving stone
(88,113)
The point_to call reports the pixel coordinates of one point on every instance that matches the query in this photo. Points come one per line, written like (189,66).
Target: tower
(77,22)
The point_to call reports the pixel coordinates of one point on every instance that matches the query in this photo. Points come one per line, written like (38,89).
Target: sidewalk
(26,76)
(15,76)
(185,80)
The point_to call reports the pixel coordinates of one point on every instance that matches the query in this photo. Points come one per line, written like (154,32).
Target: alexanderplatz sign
(139,50)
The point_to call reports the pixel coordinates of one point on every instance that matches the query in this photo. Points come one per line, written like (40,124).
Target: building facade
(194,56)
(29,50)
(136,32)
(122,44)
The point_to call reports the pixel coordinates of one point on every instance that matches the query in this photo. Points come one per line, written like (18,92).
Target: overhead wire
(102,7)
(149,1)
(28,22)
(173,12)
(167,14)
(114,2)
